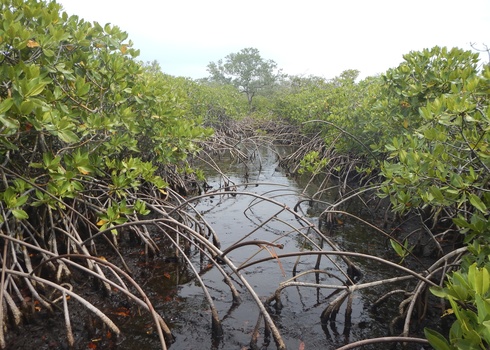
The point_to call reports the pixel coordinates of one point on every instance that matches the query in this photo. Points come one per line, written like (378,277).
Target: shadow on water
(180,299)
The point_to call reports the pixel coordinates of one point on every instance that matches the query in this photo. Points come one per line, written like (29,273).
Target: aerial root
(66,313)
(371,341)
(330,313)
(216,327)
(256,334)
(384,297)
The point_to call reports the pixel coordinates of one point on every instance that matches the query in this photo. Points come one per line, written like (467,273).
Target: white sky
(317,37)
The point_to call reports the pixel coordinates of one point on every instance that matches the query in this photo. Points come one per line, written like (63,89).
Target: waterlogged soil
(176,295)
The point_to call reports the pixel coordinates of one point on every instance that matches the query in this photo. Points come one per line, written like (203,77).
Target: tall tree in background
(247,71)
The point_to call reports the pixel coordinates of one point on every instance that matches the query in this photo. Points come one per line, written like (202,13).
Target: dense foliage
(75,104)
(84,127)
(426,122)
(442,159)
(441,163)
(423,127)
(339,106)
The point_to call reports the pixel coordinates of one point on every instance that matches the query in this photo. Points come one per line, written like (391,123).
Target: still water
(261,210)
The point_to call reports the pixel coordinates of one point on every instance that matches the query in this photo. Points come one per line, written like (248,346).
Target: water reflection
(318,318)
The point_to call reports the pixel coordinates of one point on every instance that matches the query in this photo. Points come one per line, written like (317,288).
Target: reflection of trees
(333,269)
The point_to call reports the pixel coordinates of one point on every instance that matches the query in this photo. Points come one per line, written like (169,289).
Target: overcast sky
(307,37)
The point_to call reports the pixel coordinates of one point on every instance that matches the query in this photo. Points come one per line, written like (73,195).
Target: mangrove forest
(251,209)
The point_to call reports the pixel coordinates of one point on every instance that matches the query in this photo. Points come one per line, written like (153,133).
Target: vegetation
(422,128)
(440,166)
(247,71)
(93,143)
(85,130)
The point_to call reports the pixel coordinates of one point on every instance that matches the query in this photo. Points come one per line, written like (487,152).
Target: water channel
(247,216)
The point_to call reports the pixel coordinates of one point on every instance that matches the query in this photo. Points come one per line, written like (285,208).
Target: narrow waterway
(256,212)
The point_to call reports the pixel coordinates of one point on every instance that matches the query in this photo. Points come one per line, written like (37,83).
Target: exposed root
(41,255)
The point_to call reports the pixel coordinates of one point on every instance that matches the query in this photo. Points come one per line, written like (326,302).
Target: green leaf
(9,122)
(486,331)
(437,340)
(456,332)
(85,170)
(436,192)
(438,292)
(479,279)
(48,53)
(20,214)
(27,106)
(35,90)
(22,200)
(68,136)
(458,291)
(477,203)
(483,308)
(461,222)
(10,197)
(5,105)
(398,248)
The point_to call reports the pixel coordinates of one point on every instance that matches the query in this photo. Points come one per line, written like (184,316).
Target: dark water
(181,300)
